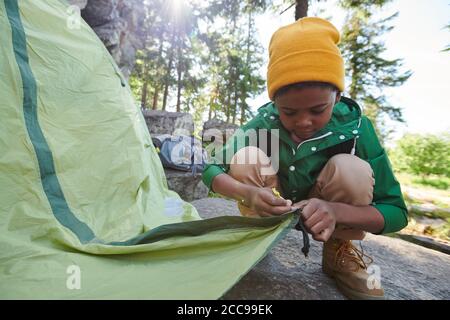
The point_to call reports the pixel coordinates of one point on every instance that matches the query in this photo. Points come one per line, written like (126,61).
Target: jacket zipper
(322,136)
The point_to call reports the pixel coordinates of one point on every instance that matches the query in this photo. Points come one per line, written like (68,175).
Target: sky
(418,37)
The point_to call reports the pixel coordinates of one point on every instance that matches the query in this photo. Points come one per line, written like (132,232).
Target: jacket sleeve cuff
(210,172)
(395,218)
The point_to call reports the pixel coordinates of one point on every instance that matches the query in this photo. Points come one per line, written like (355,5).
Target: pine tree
(235,57)
(148,71)
(164,64)
(368,73)
(301,7)
(447,49)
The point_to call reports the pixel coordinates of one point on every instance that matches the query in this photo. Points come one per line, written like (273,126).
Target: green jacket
(300,165)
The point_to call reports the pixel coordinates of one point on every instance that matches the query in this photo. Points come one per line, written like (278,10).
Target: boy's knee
(248,156)
(351,176)
(350,165)
(249,159)
(251,165)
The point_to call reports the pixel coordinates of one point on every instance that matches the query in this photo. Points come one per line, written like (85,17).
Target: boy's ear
(338,97)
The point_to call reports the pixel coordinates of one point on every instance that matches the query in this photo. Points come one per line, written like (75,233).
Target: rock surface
(116,22)
(218,130)
(164,122)
(408,271)
(189,187)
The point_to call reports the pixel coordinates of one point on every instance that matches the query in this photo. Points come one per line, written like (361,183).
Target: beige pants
(345,178)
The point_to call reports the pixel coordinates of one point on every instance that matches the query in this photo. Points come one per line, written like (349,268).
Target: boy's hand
(265,203)
(319,218)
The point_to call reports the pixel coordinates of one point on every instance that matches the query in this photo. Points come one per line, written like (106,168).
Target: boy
(330,162)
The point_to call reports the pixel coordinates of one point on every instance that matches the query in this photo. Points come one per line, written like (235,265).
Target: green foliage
(366,5)
(423,155)
(447,49)
(165,64)
(369,74)
(435,182)
(199,57)
(233,58)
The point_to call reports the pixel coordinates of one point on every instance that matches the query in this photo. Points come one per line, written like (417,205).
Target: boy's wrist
(337,210)
(245,197)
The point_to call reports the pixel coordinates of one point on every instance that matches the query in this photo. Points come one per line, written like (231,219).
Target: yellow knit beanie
(305,50)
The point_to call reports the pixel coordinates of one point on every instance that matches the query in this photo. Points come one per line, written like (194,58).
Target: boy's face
(305,111)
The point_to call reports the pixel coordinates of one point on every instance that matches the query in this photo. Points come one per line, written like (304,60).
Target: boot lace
(348,254)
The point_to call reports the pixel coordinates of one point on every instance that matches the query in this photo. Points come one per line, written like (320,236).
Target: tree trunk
(301,9)
(212,100)
(155,98)
(179,90)
(247,62)
(210,110)
(144,93)
(235,102)
(168,71)
(144,87)
(233,71)
(179,79)
(157,85)
(167,80)
(235,109)
(353,89)
(228,101)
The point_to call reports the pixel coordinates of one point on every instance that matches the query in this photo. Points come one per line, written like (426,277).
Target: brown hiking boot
(345,263)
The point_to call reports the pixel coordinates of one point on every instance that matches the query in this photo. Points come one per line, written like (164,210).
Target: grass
(435,183)
(440,184)
(441,232)
(414,227)
(437,196)
(435,214)
(432,190)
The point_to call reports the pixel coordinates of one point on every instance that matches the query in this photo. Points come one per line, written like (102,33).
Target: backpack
(180,152)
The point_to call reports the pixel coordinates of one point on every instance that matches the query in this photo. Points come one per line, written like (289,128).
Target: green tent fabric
(81,184)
